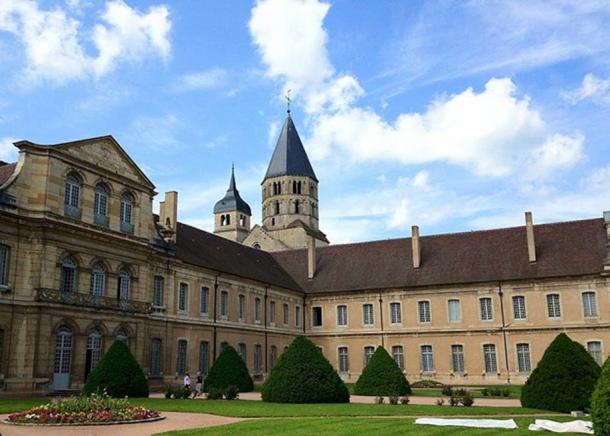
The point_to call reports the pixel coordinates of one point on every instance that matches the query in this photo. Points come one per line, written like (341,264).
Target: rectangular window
(297,316)
(224,304)
(427,359)
(595,350)
(457,358)
(367,314)
(155,357)
(286,314)
(368,353)
(181,357)
(258,359)
(241,350)
(489,353)
(182,296)
(4,251)
(553,307)
(204,299)
(424,311)
(399,356)
(272,312)
(523,358)
(343,360)
(589,304)
(342,315)
(158,291)
(204,357)
(257,309)
(316,316)
(519,307)
(395,313)
(241,307)
(486,309)
(272,356)
(455,310)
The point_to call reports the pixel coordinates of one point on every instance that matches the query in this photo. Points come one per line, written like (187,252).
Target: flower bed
(83,410)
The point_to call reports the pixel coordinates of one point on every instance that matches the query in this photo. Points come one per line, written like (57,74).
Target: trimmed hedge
(382,377)
(600,403)
(303,375)
(229,369)
(564,379)
(118,373)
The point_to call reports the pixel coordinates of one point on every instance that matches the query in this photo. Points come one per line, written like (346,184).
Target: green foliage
(177,392)
(231,393)
(214,393)
(228,369)
(600,403)
(564,379)
(118,374)
(303,375)
(382,376)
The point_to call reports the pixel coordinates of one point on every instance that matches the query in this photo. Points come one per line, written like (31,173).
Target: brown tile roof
(198,247)
(6,171)
(563,249)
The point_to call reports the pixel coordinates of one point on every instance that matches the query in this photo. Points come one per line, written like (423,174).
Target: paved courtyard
(173,421)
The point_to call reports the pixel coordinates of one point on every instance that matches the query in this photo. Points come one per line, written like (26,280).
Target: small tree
(600,403)
(382,377)
(564,378)
(118,373)
(303,375)
(229,369)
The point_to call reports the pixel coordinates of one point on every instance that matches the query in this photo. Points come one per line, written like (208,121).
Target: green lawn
(347,427)
(515,391)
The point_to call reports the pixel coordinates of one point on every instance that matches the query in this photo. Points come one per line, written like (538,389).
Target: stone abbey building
(85,261)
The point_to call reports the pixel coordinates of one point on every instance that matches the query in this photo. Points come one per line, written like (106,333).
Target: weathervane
(288,100)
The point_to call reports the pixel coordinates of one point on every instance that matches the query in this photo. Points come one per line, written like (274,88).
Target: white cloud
(8,152)
(557,152)
(592,88)
(492,132)
(156,133)
(201,80)
(54,44)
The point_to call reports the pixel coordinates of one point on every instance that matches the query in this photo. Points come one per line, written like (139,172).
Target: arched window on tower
(277,207)
(296,206)
(299,187)
(222,220)
(228,219)
(294,187)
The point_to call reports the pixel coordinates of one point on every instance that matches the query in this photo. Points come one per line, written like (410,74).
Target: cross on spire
(288,100)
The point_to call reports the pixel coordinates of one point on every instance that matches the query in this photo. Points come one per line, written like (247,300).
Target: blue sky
(450,115)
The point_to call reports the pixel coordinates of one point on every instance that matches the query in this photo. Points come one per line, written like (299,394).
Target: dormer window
(72,196)
(126,213)
(100,206)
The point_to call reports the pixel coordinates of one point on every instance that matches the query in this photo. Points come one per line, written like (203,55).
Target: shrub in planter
(393,399)
(564,379)
(600,403)
(118,374)
(382,376)
(303,375)
(229,369)
(467,399)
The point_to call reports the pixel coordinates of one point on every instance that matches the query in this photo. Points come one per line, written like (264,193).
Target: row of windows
(225,220)
(297,187)
(204,298)
(72,203)
(490,363)
(98,281)
(454,311)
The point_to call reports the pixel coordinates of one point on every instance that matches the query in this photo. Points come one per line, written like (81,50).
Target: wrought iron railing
(89,300)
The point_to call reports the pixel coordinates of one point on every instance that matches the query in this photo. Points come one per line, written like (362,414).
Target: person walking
(187,381)
(198,385)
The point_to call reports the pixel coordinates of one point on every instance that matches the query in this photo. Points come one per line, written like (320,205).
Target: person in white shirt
(187,381)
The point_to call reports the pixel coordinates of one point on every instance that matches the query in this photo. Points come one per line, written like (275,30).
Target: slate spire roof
(289,157)
(232,200)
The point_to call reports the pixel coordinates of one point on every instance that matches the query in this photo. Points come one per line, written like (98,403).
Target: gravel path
(173,421)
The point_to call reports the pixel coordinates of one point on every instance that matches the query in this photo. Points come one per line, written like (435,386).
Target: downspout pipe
(503,328)
(215,317)
(381,319)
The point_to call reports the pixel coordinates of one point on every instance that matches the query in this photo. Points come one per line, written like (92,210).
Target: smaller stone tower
(232,214)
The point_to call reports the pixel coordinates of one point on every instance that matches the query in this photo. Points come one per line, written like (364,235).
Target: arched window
(62,361)
(298,187)
(94,351)
(222,220)
(277,207)
(100,206)
(296,206)
(98,280)
(294,187)
(126,213)
(228,219)
(257,246)
(68,275)
(72,197)
(124,285)
(4,255)
(122,335)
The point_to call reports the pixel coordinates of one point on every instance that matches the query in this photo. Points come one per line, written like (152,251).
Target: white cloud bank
(494,132)
(54,44)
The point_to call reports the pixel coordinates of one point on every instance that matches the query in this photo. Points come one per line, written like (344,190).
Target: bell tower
(232,214)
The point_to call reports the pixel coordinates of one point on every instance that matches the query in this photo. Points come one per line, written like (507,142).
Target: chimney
(531,243)
(415,248)
(607,226)
(168,215)
(311,258)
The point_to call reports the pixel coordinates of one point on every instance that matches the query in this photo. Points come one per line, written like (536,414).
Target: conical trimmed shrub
(600,403)
(382,377)
(303,375)
(564,379)
(118,373)
(229,369)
